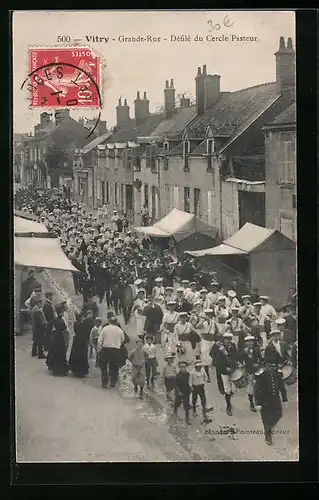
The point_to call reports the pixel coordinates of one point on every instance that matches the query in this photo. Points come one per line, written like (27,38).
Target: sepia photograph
(155,229)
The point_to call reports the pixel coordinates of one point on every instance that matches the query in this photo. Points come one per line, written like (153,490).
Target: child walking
(198,378)
(151,362)
(138,357)
(169,374)
(94,336)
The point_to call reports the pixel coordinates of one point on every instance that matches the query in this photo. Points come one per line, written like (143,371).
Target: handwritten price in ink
(227,23)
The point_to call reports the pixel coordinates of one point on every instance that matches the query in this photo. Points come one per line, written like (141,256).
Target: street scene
(155,313)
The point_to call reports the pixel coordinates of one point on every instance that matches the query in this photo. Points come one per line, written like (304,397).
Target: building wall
(230,211)
(281,212)
(171,183)
(150,179)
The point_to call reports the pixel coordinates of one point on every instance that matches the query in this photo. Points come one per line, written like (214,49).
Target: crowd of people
(195,324)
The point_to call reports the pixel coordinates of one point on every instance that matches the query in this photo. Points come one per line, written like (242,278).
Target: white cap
(235,308)
(275,330)
(185,282)
(180,290)
(198,303)
(170,303)
(202,290)
(264,297)
(245,297)
(231,293)
(280,321)
(249,337)
(207,311)
(138,282)
(228,334)
(183,313)
(257,304)
(158,279)
(221,297)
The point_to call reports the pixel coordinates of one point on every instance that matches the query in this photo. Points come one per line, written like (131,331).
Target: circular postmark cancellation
(64,78)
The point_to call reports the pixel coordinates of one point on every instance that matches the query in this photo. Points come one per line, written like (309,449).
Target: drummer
(208,334)
(190,293)
(281,325)
(252,360)
(170,319)
(246,311)
(214,293)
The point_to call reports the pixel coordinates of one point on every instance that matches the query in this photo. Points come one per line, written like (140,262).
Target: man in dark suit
(269,386)
(154,316)
(49,314)
(38,329)
(252,360)
(277,349)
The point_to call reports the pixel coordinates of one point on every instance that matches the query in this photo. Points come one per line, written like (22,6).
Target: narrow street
(68,419)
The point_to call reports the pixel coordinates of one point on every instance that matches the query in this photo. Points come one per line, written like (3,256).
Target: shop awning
(22,225)
(40,252)
(219,250)
(178,224)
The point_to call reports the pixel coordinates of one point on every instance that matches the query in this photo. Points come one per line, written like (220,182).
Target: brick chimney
(142,108)
(169,98)
(101,127)
(185,102)
(200,92)
(45,119)
(212,89)
(285,66)
(61,115)
(122,113)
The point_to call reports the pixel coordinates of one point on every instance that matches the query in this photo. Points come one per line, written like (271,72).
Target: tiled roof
(96,142)
(286,116)
(234,111)
(249,167)
(175,125)
(70,130)
(130,131)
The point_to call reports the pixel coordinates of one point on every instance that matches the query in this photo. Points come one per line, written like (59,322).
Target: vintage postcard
(154,166)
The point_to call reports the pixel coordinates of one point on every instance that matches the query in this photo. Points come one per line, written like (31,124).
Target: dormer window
(210,145)
(166,146)
(210,149)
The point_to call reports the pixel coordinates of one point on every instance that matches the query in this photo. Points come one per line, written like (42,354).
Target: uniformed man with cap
(181,304)
(214,293)
(252,360)
(208,334)
(170,319)
(269,386)
(190,293)
(183,336)
(268,316)
(206,303)
(236,326)
(169,294)
(277,349)
(281,325)
(226,362)
(222,313)
(231,300)
(246,311)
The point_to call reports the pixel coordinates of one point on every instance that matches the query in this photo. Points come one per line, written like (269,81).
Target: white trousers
(227,383)
(251,383)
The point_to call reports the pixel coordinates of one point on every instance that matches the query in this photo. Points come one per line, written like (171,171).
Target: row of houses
(229,158)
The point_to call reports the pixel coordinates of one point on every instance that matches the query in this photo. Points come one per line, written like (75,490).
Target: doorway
(129,201)
(251,208)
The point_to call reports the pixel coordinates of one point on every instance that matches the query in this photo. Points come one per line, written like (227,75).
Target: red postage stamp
(64,76)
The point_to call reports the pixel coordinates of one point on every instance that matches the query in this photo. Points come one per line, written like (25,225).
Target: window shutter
(176,197)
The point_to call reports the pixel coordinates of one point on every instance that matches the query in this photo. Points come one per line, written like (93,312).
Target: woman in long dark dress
(78,361)
(56,358)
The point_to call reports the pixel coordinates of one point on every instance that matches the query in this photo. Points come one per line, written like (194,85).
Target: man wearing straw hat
(198,378)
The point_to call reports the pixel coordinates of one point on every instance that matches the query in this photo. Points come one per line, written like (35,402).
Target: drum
(239,377)
(289,374)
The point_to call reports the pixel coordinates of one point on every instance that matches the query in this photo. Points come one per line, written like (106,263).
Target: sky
(129,67)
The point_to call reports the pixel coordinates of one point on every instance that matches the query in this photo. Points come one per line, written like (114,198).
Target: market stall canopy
(22,225)
(178,224)
(248,239)
(34,246)
(40,252)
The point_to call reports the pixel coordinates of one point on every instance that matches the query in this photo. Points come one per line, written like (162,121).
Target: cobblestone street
(69,419)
